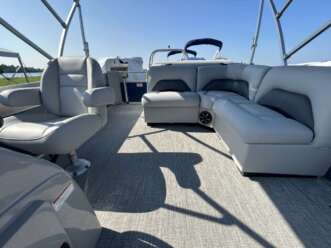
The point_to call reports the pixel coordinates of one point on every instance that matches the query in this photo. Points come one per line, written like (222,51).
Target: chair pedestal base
(79,169)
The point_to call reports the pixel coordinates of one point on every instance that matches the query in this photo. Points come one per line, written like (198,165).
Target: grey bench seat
(171,99)
(286,129)
(171,96)
(171,107)
(256,124)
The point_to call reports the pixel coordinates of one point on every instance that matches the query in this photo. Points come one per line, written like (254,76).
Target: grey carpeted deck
(175,186)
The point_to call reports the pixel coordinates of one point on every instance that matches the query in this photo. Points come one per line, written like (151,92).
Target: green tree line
(12,68)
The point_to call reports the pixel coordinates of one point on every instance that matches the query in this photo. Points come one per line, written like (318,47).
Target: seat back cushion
(254,74)
(64,82)
(96,79)
(222,78)
(49,86)
(238,78)
(180,78)
(239,87)
(303,94)
(292,105)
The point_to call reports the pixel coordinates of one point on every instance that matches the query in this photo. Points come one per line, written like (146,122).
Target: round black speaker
(205,117)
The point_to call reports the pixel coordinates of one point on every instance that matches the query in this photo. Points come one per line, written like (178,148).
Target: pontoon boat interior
(211,153)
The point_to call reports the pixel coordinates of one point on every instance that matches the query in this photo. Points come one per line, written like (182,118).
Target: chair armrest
(98,97)
(21,97)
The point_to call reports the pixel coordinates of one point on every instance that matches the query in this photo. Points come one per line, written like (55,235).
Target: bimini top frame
(65,27)
(204,41)
(277,15)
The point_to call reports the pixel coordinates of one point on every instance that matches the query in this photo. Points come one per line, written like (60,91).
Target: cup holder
(205,117)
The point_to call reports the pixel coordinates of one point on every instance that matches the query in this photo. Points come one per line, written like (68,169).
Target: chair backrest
(64,81)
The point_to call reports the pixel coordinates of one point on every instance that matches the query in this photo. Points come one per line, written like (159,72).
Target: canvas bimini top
(179,51)
(204,41)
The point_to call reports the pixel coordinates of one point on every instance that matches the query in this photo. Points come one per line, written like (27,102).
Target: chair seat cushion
(259,125)
(208,98)
(27,131)
(48,134)
(171,99)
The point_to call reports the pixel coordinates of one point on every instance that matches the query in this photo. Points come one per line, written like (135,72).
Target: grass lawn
(18,80)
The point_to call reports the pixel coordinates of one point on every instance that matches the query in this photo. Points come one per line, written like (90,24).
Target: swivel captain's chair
(72,99)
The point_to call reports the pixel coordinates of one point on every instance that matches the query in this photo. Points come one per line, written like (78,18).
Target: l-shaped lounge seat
(272,120)
(286,130)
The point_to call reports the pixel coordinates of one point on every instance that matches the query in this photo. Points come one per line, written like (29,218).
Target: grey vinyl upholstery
(211,72)
(208,98)
(265,139)
(231,74)
(171,107)
(98,97)
(183,73)
(236,82)
(73,100)
(170,99)
(259,125)
(172,96)
(21,98)
(313,82)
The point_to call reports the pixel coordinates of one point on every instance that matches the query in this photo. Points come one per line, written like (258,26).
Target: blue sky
(135,28)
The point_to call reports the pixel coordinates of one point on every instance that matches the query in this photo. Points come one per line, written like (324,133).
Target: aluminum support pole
(257,32)
(65,30)
(24,38)
(54,13)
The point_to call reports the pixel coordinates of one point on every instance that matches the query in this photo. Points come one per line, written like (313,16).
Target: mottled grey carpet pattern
(176,186)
